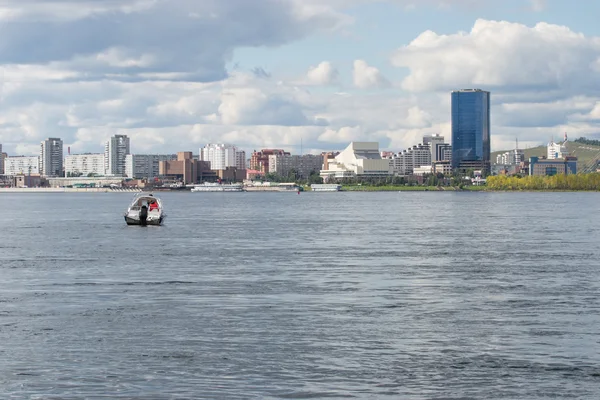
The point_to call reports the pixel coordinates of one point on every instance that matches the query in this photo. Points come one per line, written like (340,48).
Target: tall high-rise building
(471,129)
(436,144)
(51,157)
(240,159)
(221,156)
(115,152)
(1,161)
(4,156)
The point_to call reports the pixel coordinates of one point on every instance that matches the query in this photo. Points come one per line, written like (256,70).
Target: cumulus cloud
(251,106)
(367,77)
(500,54)
(417,118)
(345,134)
(155,70)
(543,114)
(124,38)
(323,74)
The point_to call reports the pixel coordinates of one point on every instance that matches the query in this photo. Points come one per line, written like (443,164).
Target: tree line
(591,142)
(557,182)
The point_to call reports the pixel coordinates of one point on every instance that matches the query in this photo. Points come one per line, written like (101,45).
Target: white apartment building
(145,166)
(512,157)
(115,152)
(221,156)
(283,164)
(51,157)
(22,165)
(405,162)
(84,165)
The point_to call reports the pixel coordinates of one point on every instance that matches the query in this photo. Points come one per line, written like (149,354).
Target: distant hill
(587,154)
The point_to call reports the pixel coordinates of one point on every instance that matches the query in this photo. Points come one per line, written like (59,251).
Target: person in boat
(153,205)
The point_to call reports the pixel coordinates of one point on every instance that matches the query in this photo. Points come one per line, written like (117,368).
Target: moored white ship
(325,187)
(218,187)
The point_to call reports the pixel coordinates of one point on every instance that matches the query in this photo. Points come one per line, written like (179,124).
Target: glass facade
(470,127)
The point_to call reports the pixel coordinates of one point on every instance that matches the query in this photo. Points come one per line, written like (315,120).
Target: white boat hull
(133,218)
(207,187)
(139,214)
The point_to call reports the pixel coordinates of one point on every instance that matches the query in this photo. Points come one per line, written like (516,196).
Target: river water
(320,295)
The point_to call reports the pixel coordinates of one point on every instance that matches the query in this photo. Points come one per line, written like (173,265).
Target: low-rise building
(423,170)
(252,174)
(358,159)
(442,167)
(540,166)
(28,181)
(231,174)
(85,181)
(186,169)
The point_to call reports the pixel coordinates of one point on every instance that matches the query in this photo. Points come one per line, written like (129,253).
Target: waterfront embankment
(397,188)
(68,190)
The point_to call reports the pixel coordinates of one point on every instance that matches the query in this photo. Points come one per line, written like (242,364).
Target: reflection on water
(274,295)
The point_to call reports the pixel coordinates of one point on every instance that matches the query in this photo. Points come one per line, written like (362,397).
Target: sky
(302,75)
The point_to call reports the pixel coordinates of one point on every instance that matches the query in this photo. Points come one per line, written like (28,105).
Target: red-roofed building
(253,174)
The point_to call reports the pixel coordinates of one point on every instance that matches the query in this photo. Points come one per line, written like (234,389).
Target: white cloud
(121,39)
(84,70)
(119,57)
(27,73)
(253,101)
(366,77)
(345,134)
(418,118)
(323,74)
(500,54)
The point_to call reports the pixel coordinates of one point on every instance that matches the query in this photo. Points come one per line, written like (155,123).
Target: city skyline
(318,76)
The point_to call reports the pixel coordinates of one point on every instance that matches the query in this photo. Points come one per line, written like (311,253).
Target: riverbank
(398,188)
(68,190)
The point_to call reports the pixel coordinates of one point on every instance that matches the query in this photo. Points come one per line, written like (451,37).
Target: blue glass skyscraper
(471,129)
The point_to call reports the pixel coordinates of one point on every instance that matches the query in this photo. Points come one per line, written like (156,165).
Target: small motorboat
(145,209)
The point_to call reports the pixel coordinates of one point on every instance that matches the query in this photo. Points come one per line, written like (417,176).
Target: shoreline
(365,189)
(68,190)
